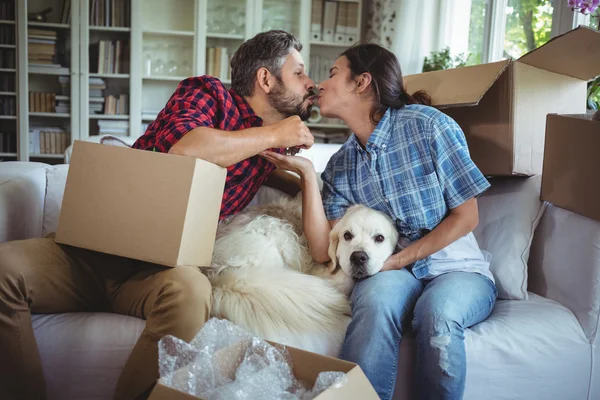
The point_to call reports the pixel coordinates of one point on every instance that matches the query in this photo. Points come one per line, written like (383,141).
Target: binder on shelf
(317,20)
(329,18)
(341,27)
(352,28)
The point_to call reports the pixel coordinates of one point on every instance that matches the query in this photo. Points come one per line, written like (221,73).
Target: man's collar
(246,110)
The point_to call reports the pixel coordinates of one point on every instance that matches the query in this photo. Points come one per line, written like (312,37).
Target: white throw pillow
(509,213)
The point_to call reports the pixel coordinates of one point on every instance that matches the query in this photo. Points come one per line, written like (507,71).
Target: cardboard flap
(463,86)
(575,54)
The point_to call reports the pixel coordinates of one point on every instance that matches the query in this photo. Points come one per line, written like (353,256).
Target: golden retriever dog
(265,280)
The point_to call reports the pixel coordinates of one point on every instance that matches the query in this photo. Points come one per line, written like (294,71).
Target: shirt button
(387,201)
(383,146)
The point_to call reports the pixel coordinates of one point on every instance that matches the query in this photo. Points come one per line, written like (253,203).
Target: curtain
(413,29)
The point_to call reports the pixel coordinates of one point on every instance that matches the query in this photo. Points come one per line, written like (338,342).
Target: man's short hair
(267,49)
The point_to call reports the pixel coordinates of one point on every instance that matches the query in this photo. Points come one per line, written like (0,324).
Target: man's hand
(291,132)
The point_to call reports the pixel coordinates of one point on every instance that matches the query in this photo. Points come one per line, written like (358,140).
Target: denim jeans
(441,308)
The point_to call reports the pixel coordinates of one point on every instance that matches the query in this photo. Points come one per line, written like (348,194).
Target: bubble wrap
(225,362)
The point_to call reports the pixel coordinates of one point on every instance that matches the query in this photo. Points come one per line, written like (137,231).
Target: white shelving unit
(182,31)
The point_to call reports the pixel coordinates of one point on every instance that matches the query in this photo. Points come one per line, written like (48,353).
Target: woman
(410,161)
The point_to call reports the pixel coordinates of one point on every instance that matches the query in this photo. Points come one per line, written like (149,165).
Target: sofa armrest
(564,265)
(22,197)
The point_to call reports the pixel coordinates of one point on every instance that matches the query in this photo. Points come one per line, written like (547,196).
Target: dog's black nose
(359,258)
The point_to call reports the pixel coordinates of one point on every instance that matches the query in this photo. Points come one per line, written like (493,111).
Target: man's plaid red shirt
(204,101)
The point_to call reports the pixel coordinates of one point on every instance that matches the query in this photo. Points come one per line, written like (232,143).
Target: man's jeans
(442,307)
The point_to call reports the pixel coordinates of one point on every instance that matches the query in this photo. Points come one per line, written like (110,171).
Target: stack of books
(41,48)
(97,87)
(110,127)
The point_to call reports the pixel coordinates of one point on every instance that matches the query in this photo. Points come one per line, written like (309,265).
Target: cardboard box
(149,206)
(502,106)
(572,165)
(307,367)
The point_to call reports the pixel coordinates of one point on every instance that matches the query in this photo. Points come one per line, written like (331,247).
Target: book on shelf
(64,83)
(7,34)
(7,10)
(63,104)
(7,83)
(42,102)
(41,47)
(111,127)
(8,142)
(65,17)
(97,86)
(47,140)
(7,58)
(8,105)
(109,57)
(218,62)
(116,105)
(115,13)
(319,67)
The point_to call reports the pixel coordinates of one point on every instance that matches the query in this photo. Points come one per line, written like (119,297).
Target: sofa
(540,342)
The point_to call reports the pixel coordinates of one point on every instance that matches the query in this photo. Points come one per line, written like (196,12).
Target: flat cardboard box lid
(463,86)
(575,54)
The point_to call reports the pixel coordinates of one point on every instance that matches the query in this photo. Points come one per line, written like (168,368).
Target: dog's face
(361,241)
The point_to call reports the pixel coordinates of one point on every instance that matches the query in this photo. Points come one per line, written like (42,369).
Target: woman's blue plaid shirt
(415,167)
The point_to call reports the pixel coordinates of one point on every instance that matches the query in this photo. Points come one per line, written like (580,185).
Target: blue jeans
(442,308)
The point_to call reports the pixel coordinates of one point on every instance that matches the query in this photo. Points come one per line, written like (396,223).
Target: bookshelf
(8,81)
(109,66)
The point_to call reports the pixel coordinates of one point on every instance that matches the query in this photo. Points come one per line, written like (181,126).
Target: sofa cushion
(22,192)
(509,213)
(55,189)
(83,354)
(531,349)
(565,265)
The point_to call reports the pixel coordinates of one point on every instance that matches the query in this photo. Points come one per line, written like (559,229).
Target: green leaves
(443,60)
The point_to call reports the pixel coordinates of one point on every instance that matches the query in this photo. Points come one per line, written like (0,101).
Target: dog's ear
(332,251)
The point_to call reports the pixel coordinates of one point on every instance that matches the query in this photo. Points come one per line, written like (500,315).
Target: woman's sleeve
(459,177)
(334,203)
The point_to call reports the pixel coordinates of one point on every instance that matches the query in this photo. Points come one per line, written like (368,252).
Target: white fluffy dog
(265,280)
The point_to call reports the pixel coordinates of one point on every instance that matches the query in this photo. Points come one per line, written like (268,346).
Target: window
(528,26)
(477,31)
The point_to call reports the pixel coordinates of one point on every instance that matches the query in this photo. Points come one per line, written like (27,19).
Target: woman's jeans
(442,309)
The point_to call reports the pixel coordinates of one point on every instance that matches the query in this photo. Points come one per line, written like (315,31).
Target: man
(270,92)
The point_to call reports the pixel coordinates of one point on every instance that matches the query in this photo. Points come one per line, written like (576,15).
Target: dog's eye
(348,236)
(379,238)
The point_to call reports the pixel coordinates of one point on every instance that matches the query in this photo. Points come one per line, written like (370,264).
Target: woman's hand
(299,165)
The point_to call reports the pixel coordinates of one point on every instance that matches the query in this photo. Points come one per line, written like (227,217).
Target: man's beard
(288,103)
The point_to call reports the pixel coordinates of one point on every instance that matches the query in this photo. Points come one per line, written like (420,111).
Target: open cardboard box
(144,205)
(306,368)
(502,106)
(572,164)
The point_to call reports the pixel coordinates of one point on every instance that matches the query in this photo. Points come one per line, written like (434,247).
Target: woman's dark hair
(267,49)
(386,78)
